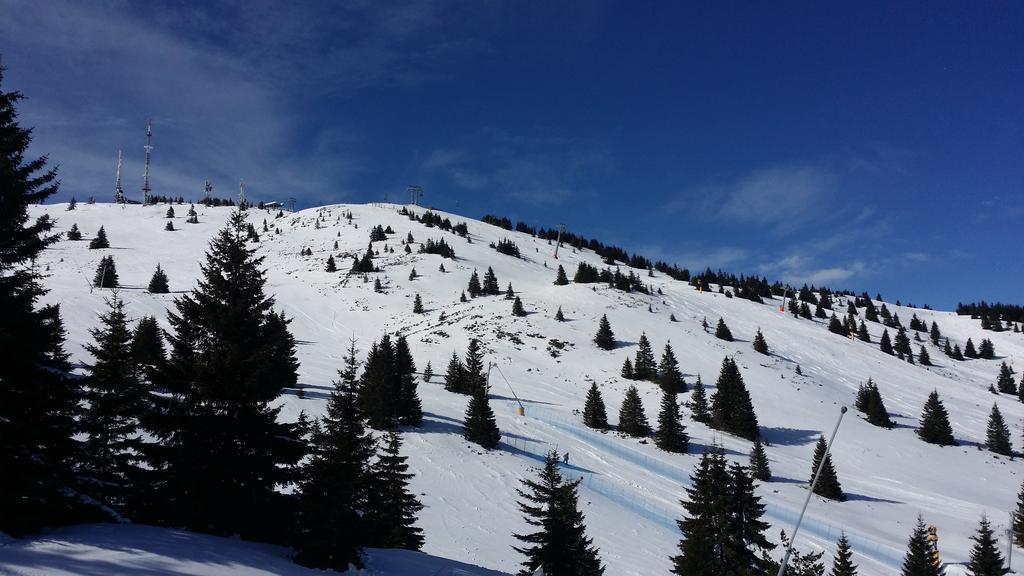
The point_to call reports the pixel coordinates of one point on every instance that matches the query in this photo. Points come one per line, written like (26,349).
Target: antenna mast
(207,191)
(149,152)
(118,192)
(241,194)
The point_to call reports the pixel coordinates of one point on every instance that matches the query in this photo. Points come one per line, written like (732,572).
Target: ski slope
(631,491)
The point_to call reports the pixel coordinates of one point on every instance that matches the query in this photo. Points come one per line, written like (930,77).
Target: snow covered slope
(631,490)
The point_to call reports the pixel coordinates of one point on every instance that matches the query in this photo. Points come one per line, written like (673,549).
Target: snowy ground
(631,490)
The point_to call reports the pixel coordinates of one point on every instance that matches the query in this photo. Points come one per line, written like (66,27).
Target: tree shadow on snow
(697,448)
(624,344)
(851,497)
(302,393)
(540,458)
(788,436)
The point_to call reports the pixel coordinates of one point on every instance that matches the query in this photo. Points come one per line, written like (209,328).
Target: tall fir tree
(117,402)
(74,233)
(560,546)
(106,273)
(760,344)
(699,403)
(455,375)
(561,279)
(1018,519)
(158,283)
(986,559)
(605,338)
(490,285)
(479,425)
(380,386)
(100,241)
(644,365)
(331,265)
(731,408)
(722,331)
(923,358)
(632,420)
(885,344)
(671,434)
(627,370)
(391,508)
(969,350)
(934,427)
(223,455)
(474,370)
(669,376)
(38,402)
(331,528)
(474,287)
(1005,383)
(869,401)
(517,307)
(417,305)
(148,352)
(828,482)
(410,409)
(746,545)
(759,467)
(594,413)
(842,562)
(918,559)
(997,435)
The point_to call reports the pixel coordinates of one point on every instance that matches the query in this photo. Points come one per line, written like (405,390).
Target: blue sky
(877,149)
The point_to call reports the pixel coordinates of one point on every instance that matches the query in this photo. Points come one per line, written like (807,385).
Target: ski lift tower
(415,192)
(146,199)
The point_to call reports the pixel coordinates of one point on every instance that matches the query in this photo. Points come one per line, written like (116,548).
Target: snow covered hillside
(631,490)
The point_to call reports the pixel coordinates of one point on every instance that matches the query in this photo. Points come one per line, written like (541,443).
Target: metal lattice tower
(149,153)
(241,193)
(118,192)
(207,190)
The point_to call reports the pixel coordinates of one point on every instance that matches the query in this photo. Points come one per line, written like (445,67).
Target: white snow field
(631,490)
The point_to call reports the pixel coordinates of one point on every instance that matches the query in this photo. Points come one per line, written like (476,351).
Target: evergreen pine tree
(986,350)
(669,376)
(391,508)
(331,265)
(759,468)
(862,333)
(331,526)
(100,241)
(561,279)
(223,454)
(671,434)
(560,546)
(699,403)
(455,376)
(1005,383)
(417,305)
(158,283)
(836,327)
(559,316)
(428,372)
(509,292)
(842,562)
(886,344)
(117,401)
(479,425)
(627,370)
(605,338)
(957,354)
(986,559)
(644,366)
(997,435)
(409,407)
(74,233)
(490,286)
(148,353)
(969,350)
(918,560)
(72,204)
(934,427)
(632,420)
(935,333)
(380,385)
(517,307)
(475,370)
(106,273)
(923,357)
(731,408)
(760,345)
(1017,516)
(169,227)
(38,403)
(474,288)
(722,331)
(594,414)
(744,527)
(828,483)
